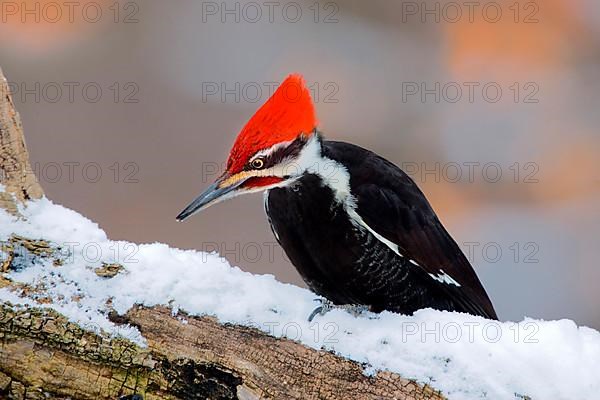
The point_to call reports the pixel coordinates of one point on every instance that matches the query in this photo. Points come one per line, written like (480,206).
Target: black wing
(392,205)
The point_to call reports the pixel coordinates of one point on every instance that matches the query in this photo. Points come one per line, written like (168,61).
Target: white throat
(333,174)
(336,176)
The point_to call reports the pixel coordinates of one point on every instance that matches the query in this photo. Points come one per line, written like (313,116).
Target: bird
(357,228)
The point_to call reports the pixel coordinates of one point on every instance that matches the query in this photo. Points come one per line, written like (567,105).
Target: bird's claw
(323,309)
(326,306)
(313,314)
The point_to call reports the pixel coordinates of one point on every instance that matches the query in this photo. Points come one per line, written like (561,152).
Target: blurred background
(130,109)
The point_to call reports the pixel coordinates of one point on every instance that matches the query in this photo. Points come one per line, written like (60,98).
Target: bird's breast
(336,257)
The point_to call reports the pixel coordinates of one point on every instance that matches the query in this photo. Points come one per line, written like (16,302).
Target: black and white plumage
(357,228)
(359,231)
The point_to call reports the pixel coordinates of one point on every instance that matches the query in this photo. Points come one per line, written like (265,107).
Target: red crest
(287,114)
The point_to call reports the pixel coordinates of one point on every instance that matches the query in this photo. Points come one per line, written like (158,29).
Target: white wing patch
(444,278)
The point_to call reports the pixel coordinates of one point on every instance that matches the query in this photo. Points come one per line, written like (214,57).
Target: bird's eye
(258,163)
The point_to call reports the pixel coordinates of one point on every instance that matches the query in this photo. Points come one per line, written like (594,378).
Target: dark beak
(213,194)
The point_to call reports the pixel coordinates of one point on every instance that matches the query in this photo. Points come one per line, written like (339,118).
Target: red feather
(287,114)
(262,181)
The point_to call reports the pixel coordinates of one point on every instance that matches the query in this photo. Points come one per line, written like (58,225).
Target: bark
(15,172)
(43,355)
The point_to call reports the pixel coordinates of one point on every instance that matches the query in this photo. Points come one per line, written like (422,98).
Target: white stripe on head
(270,150)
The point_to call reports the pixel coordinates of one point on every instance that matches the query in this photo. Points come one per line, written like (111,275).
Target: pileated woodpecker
(356,227)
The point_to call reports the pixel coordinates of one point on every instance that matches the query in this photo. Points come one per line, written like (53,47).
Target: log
(44,356)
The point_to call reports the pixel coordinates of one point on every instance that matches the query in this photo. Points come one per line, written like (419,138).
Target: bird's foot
(326,306)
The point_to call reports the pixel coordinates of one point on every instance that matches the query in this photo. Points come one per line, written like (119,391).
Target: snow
(466,357)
